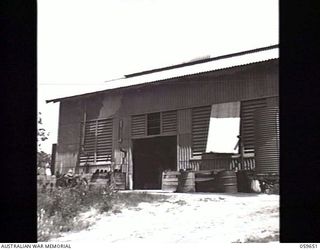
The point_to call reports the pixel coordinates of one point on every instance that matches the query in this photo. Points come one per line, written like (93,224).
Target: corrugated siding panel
(267,138)
(200,128)
(169,121)
(70,112)
(184,138)
(97,145)
(184,151)
(247,122)
(243,83)
(184,121)
(273,101)
(138,125)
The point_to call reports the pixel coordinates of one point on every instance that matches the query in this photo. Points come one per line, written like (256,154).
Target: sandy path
(189,218)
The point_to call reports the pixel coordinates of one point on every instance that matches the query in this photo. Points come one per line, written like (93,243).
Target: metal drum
(267,139)
(186,182)
(205,181)
(227,181)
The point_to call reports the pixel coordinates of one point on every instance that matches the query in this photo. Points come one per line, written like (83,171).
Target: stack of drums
(186,182)
(120,180)
(170,180)
(227,182)
(205,181)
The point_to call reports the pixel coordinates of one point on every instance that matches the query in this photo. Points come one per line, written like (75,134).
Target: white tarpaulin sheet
(224,128)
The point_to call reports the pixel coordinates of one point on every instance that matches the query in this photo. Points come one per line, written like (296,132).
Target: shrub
(58,209)
(275,189)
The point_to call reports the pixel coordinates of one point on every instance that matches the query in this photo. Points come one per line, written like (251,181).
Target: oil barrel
(227,181)
(205,181)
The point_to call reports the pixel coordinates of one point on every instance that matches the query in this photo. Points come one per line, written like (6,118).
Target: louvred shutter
(200,128)
(97,143)
(247,122)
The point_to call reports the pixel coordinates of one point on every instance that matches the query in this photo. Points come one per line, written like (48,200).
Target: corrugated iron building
(159,119)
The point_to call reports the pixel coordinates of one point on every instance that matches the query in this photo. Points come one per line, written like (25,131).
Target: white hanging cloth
(224,127)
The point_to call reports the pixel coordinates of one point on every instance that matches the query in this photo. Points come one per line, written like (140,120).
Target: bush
(275,189)
(58,209)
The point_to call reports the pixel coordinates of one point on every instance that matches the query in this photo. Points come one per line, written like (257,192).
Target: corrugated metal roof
(207,65)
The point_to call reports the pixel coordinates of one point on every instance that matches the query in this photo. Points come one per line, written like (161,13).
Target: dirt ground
(187,218)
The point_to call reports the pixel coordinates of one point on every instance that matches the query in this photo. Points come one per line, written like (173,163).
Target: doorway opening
(151,156)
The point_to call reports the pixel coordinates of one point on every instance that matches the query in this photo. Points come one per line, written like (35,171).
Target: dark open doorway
(151,156)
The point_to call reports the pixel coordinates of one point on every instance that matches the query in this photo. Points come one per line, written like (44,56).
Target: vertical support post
(120,130)
(95,142)
(82,138)
(53,157)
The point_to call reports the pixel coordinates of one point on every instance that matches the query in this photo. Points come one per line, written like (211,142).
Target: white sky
(82,43)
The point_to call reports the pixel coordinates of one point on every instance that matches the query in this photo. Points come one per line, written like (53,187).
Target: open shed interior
(151,157)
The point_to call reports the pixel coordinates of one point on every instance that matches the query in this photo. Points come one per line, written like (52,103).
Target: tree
(42,133)
(42,157)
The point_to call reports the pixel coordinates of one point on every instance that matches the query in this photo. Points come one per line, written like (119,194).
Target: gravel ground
(187,218)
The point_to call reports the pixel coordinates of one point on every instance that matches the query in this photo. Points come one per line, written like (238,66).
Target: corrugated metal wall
(267,138)
(184,138)
(236,84)
(70,117)
(174,99)
(248,109)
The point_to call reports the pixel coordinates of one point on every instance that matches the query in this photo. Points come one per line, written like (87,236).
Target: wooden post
(82,137)
(53,157)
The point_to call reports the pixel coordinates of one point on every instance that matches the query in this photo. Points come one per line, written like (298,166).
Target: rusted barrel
(120,181)
(186,182)
(227,181)
(170,180)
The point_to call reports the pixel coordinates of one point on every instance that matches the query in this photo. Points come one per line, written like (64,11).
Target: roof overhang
(186,69)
